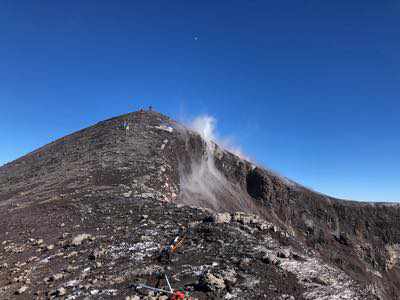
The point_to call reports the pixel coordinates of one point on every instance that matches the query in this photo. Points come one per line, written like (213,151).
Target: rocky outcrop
(86,216)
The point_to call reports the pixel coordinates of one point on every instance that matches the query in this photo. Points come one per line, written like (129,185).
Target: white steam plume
(205,185)
(205,125)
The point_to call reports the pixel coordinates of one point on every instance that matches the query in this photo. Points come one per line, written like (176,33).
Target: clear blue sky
(308,88)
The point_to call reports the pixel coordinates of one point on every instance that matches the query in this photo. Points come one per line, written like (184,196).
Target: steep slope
(85,216)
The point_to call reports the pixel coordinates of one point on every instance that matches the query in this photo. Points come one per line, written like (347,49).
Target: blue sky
(308,88)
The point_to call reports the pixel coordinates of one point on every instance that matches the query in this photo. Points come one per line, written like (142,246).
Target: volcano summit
(87,216)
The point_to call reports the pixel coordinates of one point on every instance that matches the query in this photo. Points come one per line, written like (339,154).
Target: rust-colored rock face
(87,215)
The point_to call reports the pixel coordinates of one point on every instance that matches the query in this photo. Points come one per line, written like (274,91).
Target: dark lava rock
(86,217)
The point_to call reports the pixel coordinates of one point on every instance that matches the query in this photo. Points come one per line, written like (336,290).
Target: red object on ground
(177,295)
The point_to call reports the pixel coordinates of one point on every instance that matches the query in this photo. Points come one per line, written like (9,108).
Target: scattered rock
(212,282)
(165,128)
(132,298)
(245,262)
(4,266)
(322,280)
(94,292)
(38,242)
(270,258)
(72,254)
(96,254)
(78,240)
(59,292)
(286,297)
(393,252)
(57,276)
(222,218)
(246,218)
(72,283)
(21,290)
(283,253)
(127,194)
(229,276)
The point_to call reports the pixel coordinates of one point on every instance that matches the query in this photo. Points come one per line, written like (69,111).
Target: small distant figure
(150,108)
(126,125)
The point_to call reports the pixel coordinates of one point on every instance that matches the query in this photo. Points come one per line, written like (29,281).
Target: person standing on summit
(125,125)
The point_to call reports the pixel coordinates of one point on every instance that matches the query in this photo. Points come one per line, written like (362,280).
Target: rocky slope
(87,215)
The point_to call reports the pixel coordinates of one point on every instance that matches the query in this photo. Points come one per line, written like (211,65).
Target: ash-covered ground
(86,217)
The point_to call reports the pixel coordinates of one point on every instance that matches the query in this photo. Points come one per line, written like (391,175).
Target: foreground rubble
(116,247)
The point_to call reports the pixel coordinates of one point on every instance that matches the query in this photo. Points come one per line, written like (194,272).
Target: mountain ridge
(147,158)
